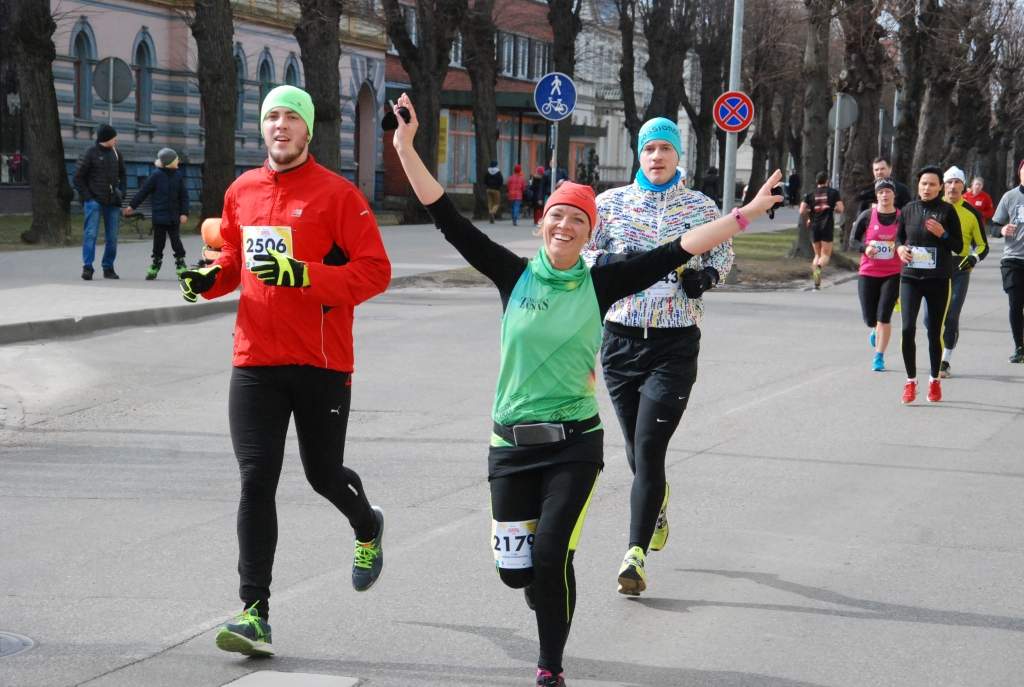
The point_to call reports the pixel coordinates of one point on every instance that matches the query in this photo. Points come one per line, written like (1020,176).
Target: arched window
(83,51)
(291,72)
(240,80)
(266,75)
(143,83)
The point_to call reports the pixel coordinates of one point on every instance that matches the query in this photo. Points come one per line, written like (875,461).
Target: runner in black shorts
(819,208)
(546,447)
(874,233)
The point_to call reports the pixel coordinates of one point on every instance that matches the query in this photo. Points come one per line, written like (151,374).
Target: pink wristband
(740,219)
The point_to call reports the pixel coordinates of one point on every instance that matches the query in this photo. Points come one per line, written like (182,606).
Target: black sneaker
(944,369)
(368,558)
(87,273)
(1018,355)
(109,273)
(249,634)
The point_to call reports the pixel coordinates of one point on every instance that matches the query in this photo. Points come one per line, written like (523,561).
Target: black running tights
(261,401)
(934,292)
(1013,285)
(556,496)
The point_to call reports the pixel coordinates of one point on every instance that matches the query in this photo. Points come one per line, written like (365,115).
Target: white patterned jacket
(631,219)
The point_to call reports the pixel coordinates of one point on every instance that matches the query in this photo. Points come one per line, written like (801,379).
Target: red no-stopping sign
(733,111)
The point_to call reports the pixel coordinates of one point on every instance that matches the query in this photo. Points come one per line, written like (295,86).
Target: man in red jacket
(306,249)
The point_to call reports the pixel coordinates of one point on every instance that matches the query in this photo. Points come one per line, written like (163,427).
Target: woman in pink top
(516,184)
(879,283)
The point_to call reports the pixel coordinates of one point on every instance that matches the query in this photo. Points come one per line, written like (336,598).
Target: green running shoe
(248,635)
(632,578)
(660,537)
(368,559)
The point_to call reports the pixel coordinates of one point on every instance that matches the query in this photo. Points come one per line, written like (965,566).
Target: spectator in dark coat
(170,209)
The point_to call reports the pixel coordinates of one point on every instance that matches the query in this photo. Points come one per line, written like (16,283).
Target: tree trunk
(426,63)
(817,100)
(712,29)
(917,20)
(933,125)
(866,66)
(32,29)
(564,17)
(478,36)
(213,31)
(319,35)
(627,83)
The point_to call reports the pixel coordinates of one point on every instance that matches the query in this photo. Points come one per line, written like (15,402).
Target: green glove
(195,281)
(277,269)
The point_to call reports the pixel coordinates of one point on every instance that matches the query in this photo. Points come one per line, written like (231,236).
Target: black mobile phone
(389,122)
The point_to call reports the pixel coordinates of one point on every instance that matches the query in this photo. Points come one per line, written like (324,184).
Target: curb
(78,326)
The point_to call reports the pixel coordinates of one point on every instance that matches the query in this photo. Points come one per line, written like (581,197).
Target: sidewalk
(42,295)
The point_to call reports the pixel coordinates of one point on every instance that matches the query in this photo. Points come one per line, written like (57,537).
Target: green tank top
(550,335)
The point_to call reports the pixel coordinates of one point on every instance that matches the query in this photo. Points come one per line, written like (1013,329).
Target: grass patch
(764,246)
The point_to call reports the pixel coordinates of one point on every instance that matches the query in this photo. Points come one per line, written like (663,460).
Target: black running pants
(878,297)
(261,401)
(649,382)
(936,293)
(556,496)
(1013,285)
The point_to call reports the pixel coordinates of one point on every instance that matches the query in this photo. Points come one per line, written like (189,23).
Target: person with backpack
(170,210)
(818,209)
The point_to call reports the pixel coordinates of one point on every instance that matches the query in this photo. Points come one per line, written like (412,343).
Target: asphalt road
(822,534)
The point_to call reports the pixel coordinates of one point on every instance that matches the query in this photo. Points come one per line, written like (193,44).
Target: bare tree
(32,28)
(213,30)
(564,17)
(318,32)
(668,30)
(817,99)
(478,45)
(1007,109)
(917,20)
(425,60)
(712,30)
(863,79)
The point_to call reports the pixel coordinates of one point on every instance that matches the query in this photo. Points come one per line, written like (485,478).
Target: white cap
(954,173)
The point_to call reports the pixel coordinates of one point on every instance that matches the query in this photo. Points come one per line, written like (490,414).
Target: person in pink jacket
(516,186)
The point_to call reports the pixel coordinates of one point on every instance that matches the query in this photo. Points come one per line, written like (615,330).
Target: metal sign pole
(554,158)
(729,180)
(835,144)
(110,92)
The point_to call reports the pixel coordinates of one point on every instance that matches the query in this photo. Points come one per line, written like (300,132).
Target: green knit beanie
(294,99)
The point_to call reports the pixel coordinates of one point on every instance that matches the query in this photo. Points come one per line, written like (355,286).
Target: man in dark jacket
(881,169)
(101,184)
(494,181)
(709,187)
(170,209)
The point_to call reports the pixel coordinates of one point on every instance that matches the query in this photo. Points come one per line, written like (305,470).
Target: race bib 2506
(257,240)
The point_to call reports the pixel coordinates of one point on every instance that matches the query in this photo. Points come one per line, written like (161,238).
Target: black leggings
(556,496)
(161,232)
(934,292)
(878,298)
(260,402)
(649,382)
(1013,285)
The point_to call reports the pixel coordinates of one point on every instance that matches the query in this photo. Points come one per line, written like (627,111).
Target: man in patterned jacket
(652,338)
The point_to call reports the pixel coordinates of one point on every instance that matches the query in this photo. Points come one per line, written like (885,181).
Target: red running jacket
(334,233)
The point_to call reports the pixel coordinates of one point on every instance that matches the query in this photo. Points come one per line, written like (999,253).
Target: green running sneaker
(632,578)
(660,537)
(249,634)
(368,559)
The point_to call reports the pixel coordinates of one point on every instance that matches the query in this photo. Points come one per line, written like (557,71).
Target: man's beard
(283,158)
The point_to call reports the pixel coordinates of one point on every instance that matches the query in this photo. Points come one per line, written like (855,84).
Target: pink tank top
(885,263)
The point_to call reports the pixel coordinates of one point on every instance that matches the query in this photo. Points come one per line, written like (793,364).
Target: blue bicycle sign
(554,96)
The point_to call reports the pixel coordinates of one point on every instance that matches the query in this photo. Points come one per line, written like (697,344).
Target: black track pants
(878,298)
(260,403)
(649,382)
(1013,285)
(936,293)
(557,497)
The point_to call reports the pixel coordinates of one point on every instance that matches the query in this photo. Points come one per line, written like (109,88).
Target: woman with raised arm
(546,447)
